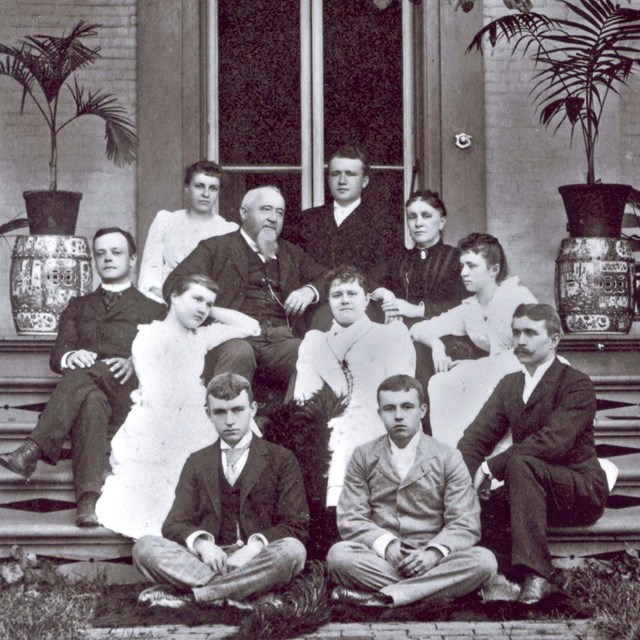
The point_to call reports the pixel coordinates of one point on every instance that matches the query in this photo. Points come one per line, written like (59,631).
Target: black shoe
(23,460)
(345,595)
(534,589)
(86,510)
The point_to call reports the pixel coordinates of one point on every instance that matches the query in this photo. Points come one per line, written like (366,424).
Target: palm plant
(580,60)
(43,65)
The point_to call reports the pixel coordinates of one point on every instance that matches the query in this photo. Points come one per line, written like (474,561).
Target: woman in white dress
(173,235)
(168,420)
(353,358)
(460,388)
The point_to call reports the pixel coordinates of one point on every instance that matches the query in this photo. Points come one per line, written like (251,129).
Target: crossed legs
(355,565)
(168,562)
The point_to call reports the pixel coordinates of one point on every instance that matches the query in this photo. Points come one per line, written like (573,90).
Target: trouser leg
(274,566)
(63,408)
(90,443)
(356,565)
(277,351)
(233,356)
(539,492)
(168,562)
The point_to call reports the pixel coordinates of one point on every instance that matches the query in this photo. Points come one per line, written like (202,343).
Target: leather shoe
(86,510)
(344,595)
(534,589)
(23,460)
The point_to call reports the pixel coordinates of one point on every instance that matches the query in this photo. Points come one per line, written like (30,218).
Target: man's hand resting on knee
(122,368)
(81,359)
(419,562)
(244,554)
(212,555)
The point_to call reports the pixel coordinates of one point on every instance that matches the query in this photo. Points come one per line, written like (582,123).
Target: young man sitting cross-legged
(408,514)
(239,520)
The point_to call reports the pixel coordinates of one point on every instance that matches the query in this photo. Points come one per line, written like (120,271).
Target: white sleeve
(308,380)
(450,322)
(153,258)
(217,333)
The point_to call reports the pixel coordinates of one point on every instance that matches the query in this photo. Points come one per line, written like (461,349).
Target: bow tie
(109,298)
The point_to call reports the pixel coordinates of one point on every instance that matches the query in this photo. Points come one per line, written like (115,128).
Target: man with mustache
(269,279)
(551,472)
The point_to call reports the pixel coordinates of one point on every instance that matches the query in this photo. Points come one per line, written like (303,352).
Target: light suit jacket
(435,504)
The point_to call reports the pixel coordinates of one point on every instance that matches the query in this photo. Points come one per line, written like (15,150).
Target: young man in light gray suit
(408,514)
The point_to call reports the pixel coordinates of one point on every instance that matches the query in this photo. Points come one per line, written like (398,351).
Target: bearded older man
(269,279)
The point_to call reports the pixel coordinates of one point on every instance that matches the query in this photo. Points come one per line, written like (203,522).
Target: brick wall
(109,191)
(526,163)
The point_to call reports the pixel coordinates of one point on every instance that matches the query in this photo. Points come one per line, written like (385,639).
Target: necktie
(233,455)
(110,298)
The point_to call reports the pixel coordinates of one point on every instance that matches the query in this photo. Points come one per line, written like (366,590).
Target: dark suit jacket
(555,425)
(272,497)
(435,280)
(367,239)
(225,260)
(86,324)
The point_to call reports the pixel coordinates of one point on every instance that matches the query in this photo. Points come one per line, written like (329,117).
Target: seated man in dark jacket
(551,473)
(93,354)
(240,516)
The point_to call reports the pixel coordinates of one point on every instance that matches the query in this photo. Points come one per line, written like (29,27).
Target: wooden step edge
(25,385)
(613,523)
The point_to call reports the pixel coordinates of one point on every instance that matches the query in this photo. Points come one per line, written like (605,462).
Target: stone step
(54,534)
(617,529)
(48,482)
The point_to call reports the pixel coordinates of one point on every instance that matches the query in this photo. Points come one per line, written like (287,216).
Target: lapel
(548,381)
(127,298)
(211,475)
(381,461)
(422,464)
(237,252)
(256,462)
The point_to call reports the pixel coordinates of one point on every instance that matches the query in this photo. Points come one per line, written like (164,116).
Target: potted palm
(582,59)
(44,66)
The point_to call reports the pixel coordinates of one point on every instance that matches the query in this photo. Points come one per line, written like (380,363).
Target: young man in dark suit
(551,472)
(93,353)
(239,521)
(348,229)
(267,278)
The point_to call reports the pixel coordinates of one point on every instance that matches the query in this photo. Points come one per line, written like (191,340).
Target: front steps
(39,515)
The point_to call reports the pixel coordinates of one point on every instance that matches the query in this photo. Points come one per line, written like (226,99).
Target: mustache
(521,351)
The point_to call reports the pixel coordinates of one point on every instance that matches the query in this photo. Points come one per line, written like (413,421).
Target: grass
(613,587)
(43,606)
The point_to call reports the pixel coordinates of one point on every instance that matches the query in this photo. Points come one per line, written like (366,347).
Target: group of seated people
(156,396)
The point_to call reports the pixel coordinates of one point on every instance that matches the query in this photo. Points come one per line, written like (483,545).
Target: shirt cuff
(316,295)
(381,543)
(485,469)
(192,537)
(258,536)
(63,360)
(445,551)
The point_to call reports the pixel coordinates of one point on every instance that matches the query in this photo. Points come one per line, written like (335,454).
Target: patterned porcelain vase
(595,285)
(46,271)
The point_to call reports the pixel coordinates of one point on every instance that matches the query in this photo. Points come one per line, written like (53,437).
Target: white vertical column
(317,97)
(306,121)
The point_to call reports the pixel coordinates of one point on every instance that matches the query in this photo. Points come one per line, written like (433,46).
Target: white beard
(267,242)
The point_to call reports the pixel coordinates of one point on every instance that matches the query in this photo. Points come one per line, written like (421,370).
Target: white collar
(253,245)
(116,288)
(350,208)
(538,373)
(411,448)
(246,440)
